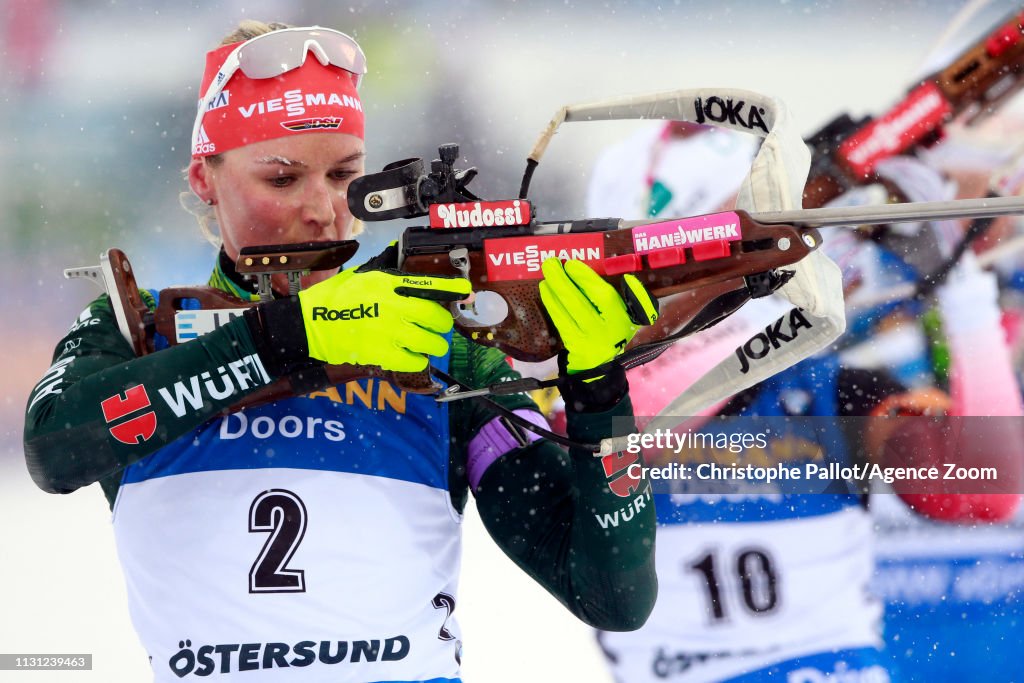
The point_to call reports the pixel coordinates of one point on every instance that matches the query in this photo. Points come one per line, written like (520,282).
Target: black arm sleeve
(578,524)
(99,409)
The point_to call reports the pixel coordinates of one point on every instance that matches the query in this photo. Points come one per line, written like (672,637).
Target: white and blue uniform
(317,537)
(296,496)
(753,585)
(757,583)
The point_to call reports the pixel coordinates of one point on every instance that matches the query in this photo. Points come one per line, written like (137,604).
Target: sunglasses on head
(278,52)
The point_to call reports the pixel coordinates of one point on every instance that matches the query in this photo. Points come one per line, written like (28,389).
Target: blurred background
(98,100)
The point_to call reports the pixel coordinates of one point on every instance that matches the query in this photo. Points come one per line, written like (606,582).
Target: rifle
(498,246)
(846,151)
(719,260)
(725,247)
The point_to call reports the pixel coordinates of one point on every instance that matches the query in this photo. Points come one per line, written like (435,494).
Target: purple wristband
(495,440)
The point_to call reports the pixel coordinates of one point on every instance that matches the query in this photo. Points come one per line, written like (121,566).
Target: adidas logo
(203,144)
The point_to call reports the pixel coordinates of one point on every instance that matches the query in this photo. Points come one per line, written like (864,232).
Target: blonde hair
(204,214)
(250,28)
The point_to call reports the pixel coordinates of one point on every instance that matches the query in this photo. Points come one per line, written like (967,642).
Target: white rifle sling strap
(775,183)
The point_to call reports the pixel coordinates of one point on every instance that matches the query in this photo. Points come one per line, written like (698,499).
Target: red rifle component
(924,110)
(526,332)
(709,251)
(519,258)
(666,257)
(627,263)
(1002,40)
(481,214)
(687,232)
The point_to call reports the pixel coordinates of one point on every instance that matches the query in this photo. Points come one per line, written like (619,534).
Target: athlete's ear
(199,179)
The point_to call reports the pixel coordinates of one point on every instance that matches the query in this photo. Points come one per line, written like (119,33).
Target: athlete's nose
(318,206)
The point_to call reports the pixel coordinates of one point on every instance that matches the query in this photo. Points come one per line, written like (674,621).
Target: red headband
(312,98)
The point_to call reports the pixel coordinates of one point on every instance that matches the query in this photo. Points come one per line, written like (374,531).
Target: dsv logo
(357,313)
(761,344)
(737,113)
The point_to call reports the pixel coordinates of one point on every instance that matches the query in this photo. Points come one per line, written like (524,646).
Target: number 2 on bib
(283,515)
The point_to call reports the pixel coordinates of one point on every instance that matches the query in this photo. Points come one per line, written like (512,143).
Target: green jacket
(541,504)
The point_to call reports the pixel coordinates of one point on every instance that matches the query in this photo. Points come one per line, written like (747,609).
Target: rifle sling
(717,310)
(526,384)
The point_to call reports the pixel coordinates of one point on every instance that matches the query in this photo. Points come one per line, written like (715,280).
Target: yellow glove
(380,317)
(591,317)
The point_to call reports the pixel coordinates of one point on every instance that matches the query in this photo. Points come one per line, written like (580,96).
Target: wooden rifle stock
(698,272)
(701,272)
(146,324)
(698,258)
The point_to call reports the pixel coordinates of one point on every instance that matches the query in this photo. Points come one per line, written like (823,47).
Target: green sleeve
(98,409)
(574,522)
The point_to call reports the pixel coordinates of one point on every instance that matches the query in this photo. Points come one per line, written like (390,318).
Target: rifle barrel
(910,212)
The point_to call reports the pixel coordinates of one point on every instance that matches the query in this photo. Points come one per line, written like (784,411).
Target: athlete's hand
(591,317)
(380,317)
